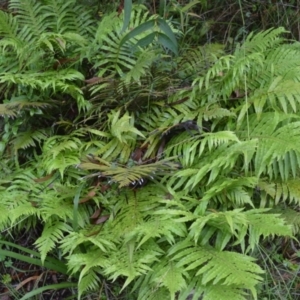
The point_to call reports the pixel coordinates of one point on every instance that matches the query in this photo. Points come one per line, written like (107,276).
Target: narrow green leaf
(49,260)
(146,40)
(138,30)
(26,250)
(75,210)
(164,27)
(127,14)
(162,7)
(48,287)
(167,43)
(190,5)
(59,267)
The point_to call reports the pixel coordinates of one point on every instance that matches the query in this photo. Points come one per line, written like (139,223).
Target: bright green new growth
(209,189)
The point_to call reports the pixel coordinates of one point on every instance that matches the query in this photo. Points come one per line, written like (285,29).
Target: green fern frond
(86,261)
(137,221)
(23,102)
(195,61)
(153,293)
(288,191)
(74,239)
(262,41)
(90,282)
(123,125)
(277,154)
(58,144)
(212,165)
(7,111)
(227,268)
(291,217)
(141,67)
(55,80)
(157,228)
(58,197)
(119,57)
(169,275)
(52,233)
(24,182)
(221,292)
(276,193)
(131,173)
(4,217)
(125,263)
(264,224)
(23,211)
(69,16)
(30,16)
(213,112)
(61,162)
(28,139)
(61,152)
(129,54)
(8,25)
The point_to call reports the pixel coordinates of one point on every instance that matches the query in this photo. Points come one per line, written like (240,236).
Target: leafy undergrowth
(24,280)
(23,277)
(131,152)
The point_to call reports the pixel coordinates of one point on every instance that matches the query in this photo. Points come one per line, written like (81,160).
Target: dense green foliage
(140,157)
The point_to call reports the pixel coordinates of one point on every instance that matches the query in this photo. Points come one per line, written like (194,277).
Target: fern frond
(61,152)
(152,293)
(58,197)
(291,216)
(87,260)
(23,211)
(90,282)
(28,139)
(227,268)
(7,111)
(52,233)
(125,263)
(8,25)
(131,173)
(74,239)
(263,224)
(31,17)
(221,292)
(55,80)
(214,164)
(195,61)
(278,154)
(262,41)
(169,275)
(278,192)
(157,228)
(69,16)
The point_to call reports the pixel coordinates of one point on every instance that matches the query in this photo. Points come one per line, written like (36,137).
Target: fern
(27,139)
(51,234)
(90,282)
(120,53)
(30,16)
(8,25)
(291,216)
(163,170)
(7,111)
(165,276)
(210,264)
